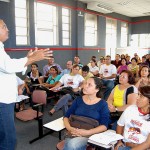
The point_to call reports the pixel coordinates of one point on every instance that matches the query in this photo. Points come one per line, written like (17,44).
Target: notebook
(105,139)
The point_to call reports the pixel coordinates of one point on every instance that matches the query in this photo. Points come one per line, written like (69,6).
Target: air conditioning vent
(99,7)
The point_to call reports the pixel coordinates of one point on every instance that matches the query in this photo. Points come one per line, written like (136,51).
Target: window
(140,40)
(124,34)
(90,37)
(111,36)
(21,21)
(46,28)
(66,24)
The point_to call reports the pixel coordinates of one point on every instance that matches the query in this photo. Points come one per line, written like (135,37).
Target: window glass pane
(65,27)
(20,3)
(22,22)
(46,24)
(21,40)
(66,42)
(65,19)
(111,34)
(21,31)
(20,12)
(45,41)
(65,34)
(90,30)
(66,23)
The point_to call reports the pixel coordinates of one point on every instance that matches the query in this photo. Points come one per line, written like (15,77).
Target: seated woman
(93,68)
(74,80)
(34,76)
(134,67)
(134,123)
(123,95)
(89,105)
(53,78)
(123,66)
(144,76)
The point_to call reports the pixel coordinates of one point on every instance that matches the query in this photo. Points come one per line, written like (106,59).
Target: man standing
(8,88)
(108,74)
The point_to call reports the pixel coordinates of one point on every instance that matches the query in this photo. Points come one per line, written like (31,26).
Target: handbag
(81,122)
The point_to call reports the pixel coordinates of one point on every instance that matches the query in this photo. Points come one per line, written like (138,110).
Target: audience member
(93,68)
(74,80)
(143,62)
(117,61)
(51,62)
(77,61)
(85,72)
(122,56)
(128,60)
(134,123)
(138,59)
(108,74)
(123,66)
(54,77)
(123,95)
(93,57)
(22,90)
(34,75)
(100,62)
(148,59)
(68,69)
(144,77)
(89,105)
(133,67)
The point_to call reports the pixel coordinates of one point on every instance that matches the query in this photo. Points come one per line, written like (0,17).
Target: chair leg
(40,128)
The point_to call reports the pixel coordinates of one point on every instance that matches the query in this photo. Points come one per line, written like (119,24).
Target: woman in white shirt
(134,123)
(93,68)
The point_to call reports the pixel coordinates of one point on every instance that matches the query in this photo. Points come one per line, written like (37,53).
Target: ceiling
(130,8)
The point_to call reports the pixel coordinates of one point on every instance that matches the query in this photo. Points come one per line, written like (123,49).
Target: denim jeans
(7,127)
(109,86)
(124,148)
(77,143)
(63,102)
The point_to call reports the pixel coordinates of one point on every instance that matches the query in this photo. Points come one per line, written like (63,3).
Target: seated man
(51,63)
(68,69)
(85,72)
(74,80)
(108,73)
(77,61)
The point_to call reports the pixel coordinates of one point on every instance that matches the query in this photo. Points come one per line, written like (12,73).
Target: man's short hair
(85,68)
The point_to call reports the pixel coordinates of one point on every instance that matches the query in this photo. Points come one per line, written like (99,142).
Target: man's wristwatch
(116,108)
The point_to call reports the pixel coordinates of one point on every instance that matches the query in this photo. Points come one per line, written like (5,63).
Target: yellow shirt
(88,75)
(118,97)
